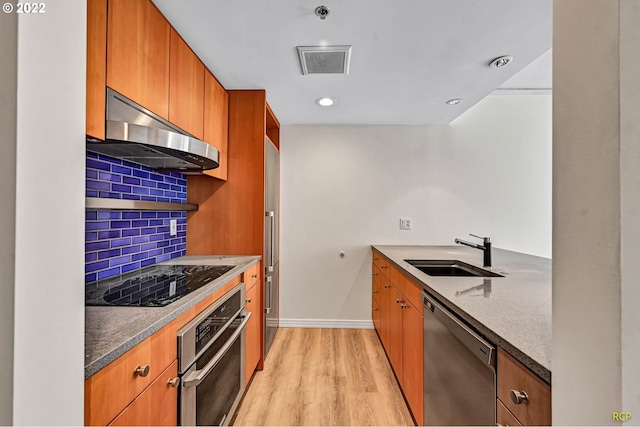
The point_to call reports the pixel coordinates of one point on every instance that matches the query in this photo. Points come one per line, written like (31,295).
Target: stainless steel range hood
(139,136)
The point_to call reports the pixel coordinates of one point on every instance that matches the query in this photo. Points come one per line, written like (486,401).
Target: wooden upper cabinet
(186,87)
(96,67)
(216,122)
(138,39)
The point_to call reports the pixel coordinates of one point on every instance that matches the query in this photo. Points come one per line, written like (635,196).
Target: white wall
(8,88)
(49,251)
(596,221)
(345,188)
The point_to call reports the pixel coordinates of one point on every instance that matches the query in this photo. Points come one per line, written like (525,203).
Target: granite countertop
(513,312)
(111,331)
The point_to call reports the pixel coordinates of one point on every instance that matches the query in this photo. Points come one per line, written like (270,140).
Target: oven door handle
(196,377)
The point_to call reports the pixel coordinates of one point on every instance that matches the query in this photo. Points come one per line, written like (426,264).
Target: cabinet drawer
(375,280)
(114,387)
(408,288)
(157,405)
(515,377)
(252,275)
(504,417)
(381,262)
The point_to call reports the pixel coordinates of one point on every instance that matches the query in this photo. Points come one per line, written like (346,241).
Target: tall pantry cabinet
(230,219)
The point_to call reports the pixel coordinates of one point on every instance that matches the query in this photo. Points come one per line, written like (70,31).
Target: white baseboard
(326,323)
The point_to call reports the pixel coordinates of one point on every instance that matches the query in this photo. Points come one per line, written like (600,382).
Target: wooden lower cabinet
(399,324)
(157,405)
(504,416)
(513,378)
(412,360)
(395,331)
(254,330)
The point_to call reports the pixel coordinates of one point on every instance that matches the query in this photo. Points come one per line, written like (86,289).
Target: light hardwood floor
(324,377)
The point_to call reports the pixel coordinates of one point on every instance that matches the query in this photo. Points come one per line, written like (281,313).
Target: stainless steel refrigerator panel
(272,308)
(272,242)
(272,198)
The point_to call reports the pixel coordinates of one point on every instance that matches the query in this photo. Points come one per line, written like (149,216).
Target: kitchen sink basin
(451,268)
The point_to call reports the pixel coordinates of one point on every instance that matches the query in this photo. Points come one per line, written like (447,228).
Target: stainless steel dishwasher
(459,371)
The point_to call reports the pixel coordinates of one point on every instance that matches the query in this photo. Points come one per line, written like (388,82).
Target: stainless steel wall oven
(211,356)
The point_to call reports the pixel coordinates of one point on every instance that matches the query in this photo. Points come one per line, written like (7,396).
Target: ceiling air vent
(324,59)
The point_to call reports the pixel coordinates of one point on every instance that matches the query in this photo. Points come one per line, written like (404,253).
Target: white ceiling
(409,57)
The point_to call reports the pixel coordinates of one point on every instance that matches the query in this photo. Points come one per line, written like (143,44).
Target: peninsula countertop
(111,331)
(513,311)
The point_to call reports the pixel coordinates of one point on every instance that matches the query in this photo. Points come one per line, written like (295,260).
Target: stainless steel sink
(452,268)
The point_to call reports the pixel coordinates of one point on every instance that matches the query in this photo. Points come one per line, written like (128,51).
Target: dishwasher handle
(481,348)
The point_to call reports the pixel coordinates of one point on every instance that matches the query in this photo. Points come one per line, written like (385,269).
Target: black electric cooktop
(154,286)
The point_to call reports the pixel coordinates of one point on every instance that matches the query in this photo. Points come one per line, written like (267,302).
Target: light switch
(173,227)
(405,223)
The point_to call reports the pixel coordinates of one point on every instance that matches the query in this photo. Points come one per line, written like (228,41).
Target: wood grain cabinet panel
(216,122)
(412,360)
(138,53)
(395,331)
(512,375)
(384,332)
(96,67)
(252,275)
(375,313)
(110,390)
(411,290)
(253,335)
(157,405)
(504,416)
(186,87)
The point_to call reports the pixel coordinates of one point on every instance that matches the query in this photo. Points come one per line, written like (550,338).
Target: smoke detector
(324,59)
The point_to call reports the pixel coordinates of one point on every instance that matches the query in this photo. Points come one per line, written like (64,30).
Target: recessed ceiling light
(501,61)
(325,102)
(454,101)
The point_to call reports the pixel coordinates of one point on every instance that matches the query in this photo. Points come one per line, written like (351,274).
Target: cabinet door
(216,122)
(96,67)
(385,292)
(375,314)
(186,87)
(395,332)
(138,53)
(253,337)
(157,405)
(412,360)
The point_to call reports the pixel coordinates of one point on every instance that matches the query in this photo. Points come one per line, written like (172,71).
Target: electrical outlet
(405,223)
(173,227)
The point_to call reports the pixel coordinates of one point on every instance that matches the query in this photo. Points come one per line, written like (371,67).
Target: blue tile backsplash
(117,241)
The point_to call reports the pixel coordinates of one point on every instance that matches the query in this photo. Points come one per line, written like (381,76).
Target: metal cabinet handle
(403,305)
(141,371)
(374,309)
(375,274)
(397,300)
(519,397)
(173,382)
(383,266)
(248,301)
(387,286)
(254,276)
(375,291)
